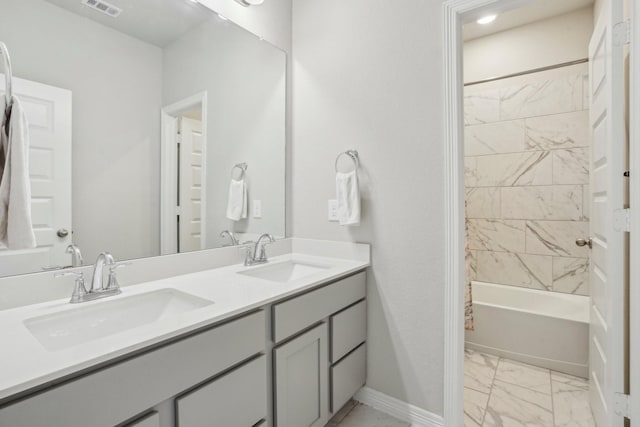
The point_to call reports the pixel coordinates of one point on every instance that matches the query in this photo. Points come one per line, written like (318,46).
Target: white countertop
(25,363)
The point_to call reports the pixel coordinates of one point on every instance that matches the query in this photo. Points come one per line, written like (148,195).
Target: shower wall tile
(470,172)
(473,265)
(557,202)
(571,275)
(481,107)
(505,170)
(516,269)
(569,130)
(541,98)
(586,202)
(571,166)
(483,202)
(495,138)
(497,235)
(556,238)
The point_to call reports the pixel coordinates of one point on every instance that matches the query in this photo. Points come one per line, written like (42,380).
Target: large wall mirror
(156,126)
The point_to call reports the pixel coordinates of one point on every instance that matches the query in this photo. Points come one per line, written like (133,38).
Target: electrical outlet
(333,210)
(257,208)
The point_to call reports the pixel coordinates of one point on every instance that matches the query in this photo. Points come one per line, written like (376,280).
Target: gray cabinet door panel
(347,377)
(301,380)
(348,330)
(119,392)
(294,315)
(239,398)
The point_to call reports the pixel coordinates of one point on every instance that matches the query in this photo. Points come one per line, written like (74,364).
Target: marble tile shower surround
(527,181)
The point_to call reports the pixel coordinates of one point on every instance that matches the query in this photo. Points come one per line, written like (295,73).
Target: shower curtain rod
(523,73)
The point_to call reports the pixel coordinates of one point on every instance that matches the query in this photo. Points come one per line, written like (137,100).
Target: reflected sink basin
(283,272)
(69,328)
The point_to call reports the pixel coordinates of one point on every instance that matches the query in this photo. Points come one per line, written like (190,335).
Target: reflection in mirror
(137,124)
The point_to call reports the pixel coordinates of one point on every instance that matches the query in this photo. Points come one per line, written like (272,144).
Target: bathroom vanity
(279,344)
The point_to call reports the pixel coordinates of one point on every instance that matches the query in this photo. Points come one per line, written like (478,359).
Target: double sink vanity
(277,344)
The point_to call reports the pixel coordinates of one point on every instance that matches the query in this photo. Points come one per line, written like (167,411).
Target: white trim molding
(454,13)
(404,411)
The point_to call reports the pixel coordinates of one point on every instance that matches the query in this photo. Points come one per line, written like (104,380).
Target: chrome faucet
(76,255)
(231,236)
(97,289)
(259,254)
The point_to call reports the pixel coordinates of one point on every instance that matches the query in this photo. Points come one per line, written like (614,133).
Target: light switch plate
(333,210)
(257,208)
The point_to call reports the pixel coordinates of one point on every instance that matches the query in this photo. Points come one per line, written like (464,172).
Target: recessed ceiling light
(487,19)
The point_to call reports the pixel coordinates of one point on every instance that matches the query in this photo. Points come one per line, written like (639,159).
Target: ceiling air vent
(103,7)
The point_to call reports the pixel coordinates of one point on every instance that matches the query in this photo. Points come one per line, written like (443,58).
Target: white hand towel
(348,195)
(237,203)
(16,230)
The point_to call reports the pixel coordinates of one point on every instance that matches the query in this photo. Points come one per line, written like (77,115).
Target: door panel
(48,111)
(606,347)
(190,238)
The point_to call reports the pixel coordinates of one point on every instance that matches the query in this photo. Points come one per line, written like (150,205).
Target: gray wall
(116,84)
(367,75)
(245,83)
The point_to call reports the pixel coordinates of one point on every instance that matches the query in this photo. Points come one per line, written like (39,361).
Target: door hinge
(622,220)
(622,33)
(178,210)
(621,405)
(178,138)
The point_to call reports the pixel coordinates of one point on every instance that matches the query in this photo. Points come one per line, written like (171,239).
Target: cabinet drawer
(150,420)
(348,330)
(120,391)
(298,313)
(239,398)
(347,377)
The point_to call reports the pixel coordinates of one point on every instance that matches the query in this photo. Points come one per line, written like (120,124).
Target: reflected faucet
(231,236)
(76,255)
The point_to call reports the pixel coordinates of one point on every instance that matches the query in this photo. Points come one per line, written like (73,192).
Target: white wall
(271,20)
(551,41)
(245,81)
(116,85)
(367,75)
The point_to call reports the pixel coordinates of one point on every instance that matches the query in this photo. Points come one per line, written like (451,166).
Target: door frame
(169,171)
(454,13)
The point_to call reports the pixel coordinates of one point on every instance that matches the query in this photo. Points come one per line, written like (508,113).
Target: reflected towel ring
(353,154)
(243,169)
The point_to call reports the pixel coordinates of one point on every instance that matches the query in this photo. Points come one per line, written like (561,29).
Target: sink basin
(283,272)
(73,327)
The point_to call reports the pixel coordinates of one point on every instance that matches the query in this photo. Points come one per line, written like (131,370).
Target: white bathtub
(545,329)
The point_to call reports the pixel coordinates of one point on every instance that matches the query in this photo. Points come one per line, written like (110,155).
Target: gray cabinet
(301,380)
(347,376)
(152,419)
(238,398)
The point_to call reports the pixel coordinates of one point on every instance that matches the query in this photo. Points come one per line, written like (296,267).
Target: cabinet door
(150,420)
(301,380)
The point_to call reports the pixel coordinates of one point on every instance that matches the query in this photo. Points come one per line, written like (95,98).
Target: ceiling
(536,11)
(158,22)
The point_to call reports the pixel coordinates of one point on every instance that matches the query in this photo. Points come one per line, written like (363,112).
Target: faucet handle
(79,291)
(112,282)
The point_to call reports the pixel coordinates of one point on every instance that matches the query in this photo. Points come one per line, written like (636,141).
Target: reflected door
(48,111)
(190,185)
(606,346)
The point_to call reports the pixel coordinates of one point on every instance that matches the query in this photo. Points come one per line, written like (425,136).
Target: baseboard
(418,417)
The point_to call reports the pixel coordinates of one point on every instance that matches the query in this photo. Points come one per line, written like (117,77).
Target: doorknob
(63,232)
(584,242)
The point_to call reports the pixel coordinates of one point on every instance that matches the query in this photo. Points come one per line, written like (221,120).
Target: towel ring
(8,76)
(353,154)
(243,169)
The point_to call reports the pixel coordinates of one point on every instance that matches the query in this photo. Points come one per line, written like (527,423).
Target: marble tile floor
(505,393)
(355,414)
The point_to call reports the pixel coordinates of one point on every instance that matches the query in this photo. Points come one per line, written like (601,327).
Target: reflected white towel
(16,229)
(237,203)
(348,195)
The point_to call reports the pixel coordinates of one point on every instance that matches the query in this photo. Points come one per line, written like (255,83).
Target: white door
(190,185)
(606,89)
(48,111)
